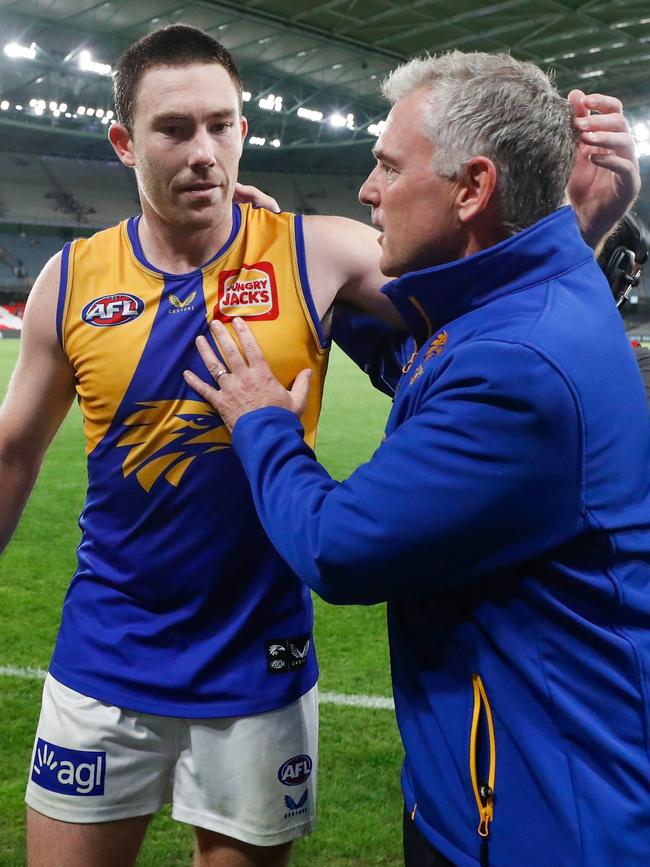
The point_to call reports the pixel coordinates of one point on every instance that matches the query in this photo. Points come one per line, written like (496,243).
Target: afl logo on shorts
(295,771)
(112,310)
(250,292)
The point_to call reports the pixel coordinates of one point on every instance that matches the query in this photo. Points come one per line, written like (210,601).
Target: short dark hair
(175,45)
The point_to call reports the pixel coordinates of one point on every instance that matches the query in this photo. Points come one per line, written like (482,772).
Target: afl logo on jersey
(250,292)
(112,310)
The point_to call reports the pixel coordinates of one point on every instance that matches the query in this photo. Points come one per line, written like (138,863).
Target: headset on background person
(622,260)
(624,255)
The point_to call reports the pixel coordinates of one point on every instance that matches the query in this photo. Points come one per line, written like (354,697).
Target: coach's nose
(369,192)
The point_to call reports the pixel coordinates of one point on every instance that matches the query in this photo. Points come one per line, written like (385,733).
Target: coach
(506,516)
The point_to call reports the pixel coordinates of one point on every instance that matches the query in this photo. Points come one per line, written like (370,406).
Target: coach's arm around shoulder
(39,395)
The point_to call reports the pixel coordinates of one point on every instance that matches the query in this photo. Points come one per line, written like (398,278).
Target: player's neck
(178,249)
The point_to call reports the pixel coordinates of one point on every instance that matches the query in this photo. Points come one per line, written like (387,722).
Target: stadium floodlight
(338,121)
(99,112)
(56,112)
(87,63)
(110,114)
(4,105)
(63,106)
(246,95)
(16,51)
(81,110)
(19,108)
(256,140)
(310,114)
(275,142)
(643,149)
(90,112)
(271,103)
(377,128)
(641,132)
(53,105)
(594,73)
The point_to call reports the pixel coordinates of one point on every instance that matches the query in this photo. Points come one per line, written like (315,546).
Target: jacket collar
(433,297)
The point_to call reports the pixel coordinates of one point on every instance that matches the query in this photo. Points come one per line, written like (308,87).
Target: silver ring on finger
(219,373)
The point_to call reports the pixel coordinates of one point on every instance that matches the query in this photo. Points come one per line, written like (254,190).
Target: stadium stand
(312,194)
(22,256)
(57,191)
(66,192)
(53,198)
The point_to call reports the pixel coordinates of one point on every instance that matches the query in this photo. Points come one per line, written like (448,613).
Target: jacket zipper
(483,792)
(414,301)
(408,364)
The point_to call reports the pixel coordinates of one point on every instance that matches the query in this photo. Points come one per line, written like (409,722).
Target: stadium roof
(319,57)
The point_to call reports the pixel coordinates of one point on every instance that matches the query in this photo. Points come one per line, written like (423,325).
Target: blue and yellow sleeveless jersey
(179,605)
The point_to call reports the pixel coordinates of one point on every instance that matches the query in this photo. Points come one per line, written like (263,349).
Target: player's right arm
(38,398)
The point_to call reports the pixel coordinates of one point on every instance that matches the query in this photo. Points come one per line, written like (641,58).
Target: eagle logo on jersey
(165,436)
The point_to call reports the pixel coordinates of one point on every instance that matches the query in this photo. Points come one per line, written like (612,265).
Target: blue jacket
(506,519)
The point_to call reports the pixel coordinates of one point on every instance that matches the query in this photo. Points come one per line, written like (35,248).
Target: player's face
(412,206)
(186,143)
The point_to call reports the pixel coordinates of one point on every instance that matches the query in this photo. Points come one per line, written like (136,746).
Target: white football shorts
(252,778)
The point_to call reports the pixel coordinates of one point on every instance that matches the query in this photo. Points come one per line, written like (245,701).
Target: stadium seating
(60,191)
(79,196)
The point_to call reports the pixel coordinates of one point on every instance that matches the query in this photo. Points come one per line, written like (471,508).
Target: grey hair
(507,110)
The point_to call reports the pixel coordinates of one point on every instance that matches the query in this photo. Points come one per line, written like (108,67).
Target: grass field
(359,800)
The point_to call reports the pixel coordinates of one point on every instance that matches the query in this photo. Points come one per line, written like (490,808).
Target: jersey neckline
(132,231)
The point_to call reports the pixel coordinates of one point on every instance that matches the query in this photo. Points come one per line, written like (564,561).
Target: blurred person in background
(622,258)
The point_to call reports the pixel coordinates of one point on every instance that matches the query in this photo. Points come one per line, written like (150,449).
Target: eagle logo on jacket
(165,436)
(437,345)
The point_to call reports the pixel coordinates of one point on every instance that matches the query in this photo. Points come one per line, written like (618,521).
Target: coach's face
(413,207)
(186,142)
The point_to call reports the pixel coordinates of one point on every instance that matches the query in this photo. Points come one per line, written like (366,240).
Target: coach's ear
(476,188)
(120,138)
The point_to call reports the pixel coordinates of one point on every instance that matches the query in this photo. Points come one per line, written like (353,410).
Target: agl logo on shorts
(250,292)
(68,772)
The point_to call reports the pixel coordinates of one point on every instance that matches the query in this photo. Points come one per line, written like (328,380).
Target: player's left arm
(606,179)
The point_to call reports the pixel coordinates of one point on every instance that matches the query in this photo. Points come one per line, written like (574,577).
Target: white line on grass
(22,673)
(373,702)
